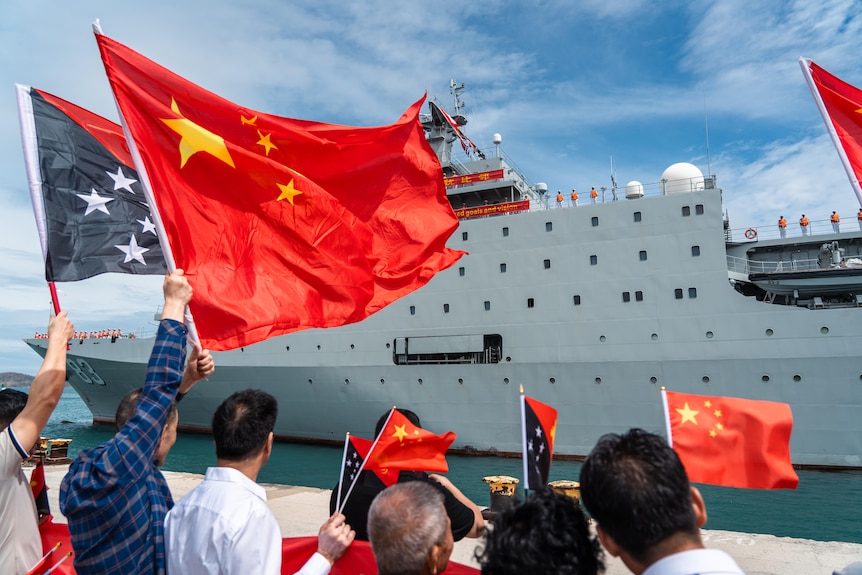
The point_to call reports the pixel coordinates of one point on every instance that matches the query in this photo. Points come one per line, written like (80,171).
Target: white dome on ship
(682,177)
(634,190)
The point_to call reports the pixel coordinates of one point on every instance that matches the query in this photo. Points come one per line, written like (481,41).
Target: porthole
(287,348)
(388,345)
(598,380)
(824,330)
(769,331)
(798,377)
(764,378)
(346,381)
(352,346)
(653,379)
(420,381)
(553,380)
(310,382)
(506,380)
(709,335)
(318,347)
(382,381)
(460,381)
(705,379)
(654,337)
(508,358)
(602,338)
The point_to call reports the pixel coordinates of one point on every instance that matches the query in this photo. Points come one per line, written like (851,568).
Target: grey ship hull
(601,363)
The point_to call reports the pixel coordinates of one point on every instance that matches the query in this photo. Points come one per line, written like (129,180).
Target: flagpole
(524,440)
(341,475)
(40,562)
(58,563)
(666,416)
(364,459)
(805,64)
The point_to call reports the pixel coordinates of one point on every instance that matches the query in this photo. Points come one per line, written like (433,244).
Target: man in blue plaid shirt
(114,496)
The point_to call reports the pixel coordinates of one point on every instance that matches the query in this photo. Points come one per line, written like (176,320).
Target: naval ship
(591,308)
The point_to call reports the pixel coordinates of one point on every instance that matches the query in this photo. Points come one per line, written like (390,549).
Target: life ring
(751,233)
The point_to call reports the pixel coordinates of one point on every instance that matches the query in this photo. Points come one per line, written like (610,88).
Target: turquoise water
(825,507)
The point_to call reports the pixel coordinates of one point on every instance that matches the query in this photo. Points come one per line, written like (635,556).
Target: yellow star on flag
(707,403)
(266,142)
(717,413)
(247,121)
(687,414)
(400,433)
(712,433)
(196,139)
(288,192)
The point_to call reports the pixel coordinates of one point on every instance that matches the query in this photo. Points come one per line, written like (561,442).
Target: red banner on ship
(473,178)
(490,210)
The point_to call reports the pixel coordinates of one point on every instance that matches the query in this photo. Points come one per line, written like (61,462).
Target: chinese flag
(841,107)
(281,224)
(732,442)
(539,427)
(403,446)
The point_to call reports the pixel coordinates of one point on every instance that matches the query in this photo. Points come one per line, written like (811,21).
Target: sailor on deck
(859,218)
(803,224)
(782,226)
(835,219)
(575,203)
(593,195)
(559,199)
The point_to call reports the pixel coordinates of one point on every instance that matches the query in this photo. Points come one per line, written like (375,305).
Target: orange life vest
(575,197)
(593,193)
(560,197)
(835,218)
(803,222)
(782,223)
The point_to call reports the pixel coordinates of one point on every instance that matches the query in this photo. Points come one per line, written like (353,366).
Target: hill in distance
(12,379)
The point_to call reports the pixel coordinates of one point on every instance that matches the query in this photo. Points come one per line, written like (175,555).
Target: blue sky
(567,84)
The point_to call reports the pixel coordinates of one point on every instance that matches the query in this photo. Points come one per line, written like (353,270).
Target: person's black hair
(635,486)
(242,423)
(411,417)
(547,534)
(129,403)
(12,403)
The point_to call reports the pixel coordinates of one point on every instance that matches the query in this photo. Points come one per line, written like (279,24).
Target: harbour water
(825,507)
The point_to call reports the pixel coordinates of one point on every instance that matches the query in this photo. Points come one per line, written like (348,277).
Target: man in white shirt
(647,513)
(223,526)
(22,418)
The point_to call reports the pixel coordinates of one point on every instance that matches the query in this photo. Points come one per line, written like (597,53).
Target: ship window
(464,236)
(448,349)
(547,264)
(595,221)
(461,271)
(686,210)
(695,251)
(594,260)
(639,296)
(549,226)
(412,310)
(698,209)
(692,292)
(531,302)
(445,308)
(577,300)
(502,268)
(627,296)
(505,232)
(637,216)
(642,255)
(677,293)
(487,306)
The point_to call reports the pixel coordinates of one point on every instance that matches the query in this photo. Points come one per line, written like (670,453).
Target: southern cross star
(121,182)
(133,251)
(148,225)
(95,202)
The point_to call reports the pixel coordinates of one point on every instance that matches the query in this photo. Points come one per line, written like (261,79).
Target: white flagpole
(151,200)
(524,439)
(341,475)
(666,416)
(361,467)
(805,64)
(31,162)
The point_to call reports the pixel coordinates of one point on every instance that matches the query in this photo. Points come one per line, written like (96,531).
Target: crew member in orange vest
(859,218)
(803,223)
(559,199)
(835,222)
(575,201)
(782,226)
(593,195)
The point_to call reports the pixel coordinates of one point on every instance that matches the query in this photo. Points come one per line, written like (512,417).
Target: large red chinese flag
(403,446)
(840,105)
(281,224)
(730,441)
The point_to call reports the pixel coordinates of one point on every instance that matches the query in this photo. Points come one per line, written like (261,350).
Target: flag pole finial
(522,389)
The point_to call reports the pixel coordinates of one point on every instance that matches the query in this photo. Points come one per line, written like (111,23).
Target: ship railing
(771,231)
(746,266)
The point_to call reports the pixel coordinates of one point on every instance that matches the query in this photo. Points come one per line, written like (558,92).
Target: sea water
(825,507)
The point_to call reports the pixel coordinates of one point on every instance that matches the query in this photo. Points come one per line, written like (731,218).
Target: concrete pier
(302,510)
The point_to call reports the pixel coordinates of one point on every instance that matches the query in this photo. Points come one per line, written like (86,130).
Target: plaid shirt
(114,496)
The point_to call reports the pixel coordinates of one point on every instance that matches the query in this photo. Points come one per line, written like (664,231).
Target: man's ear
(608,542)
(699,507)
(432,559)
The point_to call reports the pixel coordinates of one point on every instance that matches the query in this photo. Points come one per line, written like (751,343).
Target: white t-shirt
(695,562)
(20,543)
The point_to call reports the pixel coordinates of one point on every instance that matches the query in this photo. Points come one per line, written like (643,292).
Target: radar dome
(497,139)
(682,177)
(634,190)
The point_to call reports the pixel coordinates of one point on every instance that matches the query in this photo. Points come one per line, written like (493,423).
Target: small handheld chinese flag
(730,441)
(538,426)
